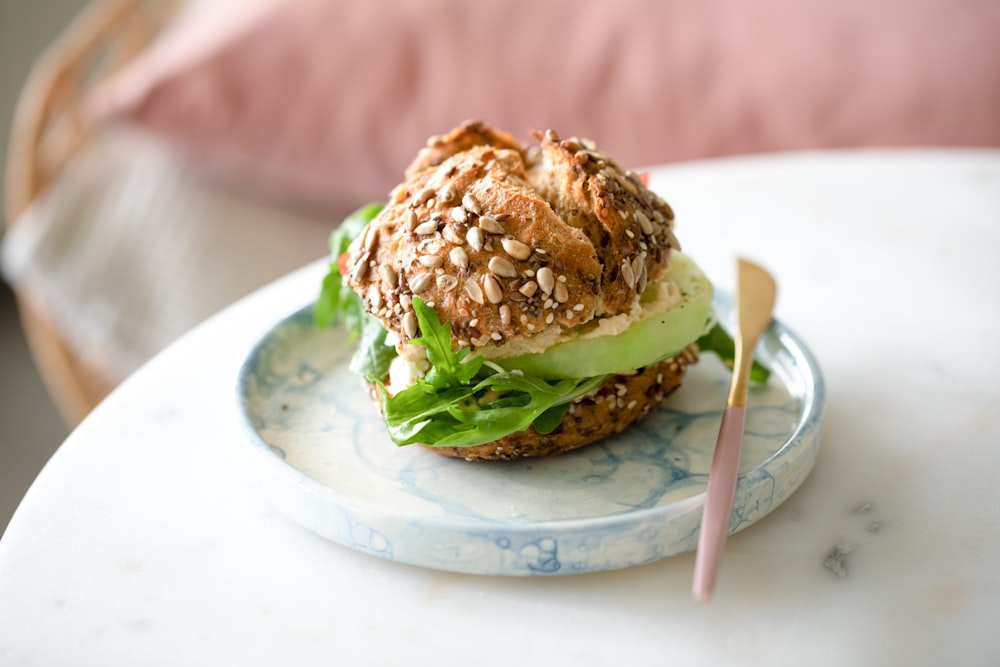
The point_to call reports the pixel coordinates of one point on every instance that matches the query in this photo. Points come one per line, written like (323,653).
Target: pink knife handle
(718,501)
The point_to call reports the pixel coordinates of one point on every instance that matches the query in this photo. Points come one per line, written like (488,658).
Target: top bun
(512,245)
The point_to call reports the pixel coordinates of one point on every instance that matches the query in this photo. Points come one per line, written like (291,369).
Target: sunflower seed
(470,202)
(451,235)
(561,293)
(644,223)
(410,325)
(447,283)
(492,289)
(502,267)
(360,267)
(490,225)
(627,274)
(425,228)
(459,257)
(375,298)
(516,249)
(528,289)
(424,195)
(475,238)
(505,314)
(388,276)
(474,291)
(458,214)
(431,261)
(420,282)
(546,279)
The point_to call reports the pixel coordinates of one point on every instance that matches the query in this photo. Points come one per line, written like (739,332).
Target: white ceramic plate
(325,461)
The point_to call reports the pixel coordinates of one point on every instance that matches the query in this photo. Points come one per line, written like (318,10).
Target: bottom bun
(620,401)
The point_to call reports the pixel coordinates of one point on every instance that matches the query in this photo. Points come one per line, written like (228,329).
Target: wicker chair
(48,129)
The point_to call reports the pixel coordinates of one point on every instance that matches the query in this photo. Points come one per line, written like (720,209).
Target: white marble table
(144,541)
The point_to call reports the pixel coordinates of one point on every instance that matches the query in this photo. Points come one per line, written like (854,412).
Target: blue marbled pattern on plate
(324,460)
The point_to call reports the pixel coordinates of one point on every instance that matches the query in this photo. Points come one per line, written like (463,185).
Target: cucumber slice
(646,341)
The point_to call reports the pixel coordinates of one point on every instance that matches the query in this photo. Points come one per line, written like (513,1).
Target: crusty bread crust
(506,242)
(620,401)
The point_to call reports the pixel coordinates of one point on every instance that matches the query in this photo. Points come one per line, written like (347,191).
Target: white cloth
(130,248)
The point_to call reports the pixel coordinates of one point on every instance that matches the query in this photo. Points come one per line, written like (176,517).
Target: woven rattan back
(48,130)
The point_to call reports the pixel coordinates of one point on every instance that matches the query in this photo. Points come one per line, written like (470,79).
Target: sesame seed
(631,404)
(375,298)
(629,233)
(496,336)
(549,318)
(516,249)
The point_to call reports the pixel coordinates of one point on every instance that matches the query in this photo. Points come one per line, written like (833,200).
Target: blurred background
(31,428)
(157,184)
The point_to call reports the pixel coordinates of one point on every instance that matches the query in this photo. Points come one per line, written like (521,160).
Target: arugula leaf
(372,358)
(337,302)
(448,368)
(465,401)
(718,341)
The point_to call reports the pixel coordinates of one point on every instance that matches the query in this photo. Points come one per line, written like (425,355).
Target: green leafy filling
(463,400)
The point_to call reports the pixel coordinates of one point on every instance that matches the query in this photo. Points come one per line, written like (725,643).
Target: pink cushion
(327,100)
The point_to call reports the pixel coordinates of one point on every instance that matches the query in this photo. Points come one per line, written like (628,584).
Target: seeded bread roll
(516,247)
(508,247)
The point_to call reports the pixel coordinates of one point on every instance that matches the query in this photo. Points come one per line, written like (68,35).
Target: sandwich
(516,301)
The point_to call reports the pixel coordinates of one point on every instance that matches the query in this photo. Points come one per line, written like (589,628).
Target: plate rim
(813,399)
